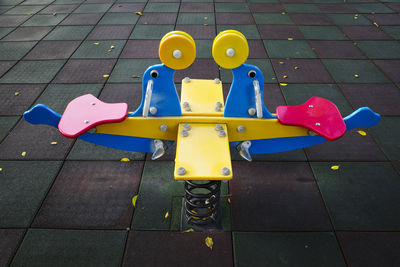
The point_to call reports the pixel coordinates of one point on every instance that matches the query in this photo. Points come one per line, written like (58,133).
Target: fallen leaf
(125,159)
(335,167)
(281,62)
(134,200)
(283,84)
(296,68)
(112,47)
(28,14)
(106,75)
(354,43)
(166,215)
(290,39)
(205,24)
(189,230)
(362,133)
(376,24)
(109,50)
(53,143)
(16,93)
(355,17)
(205,17)
(284,76)
(229,200)
(356,75)
(209,242)
(139,13)
(135,76)
(97,43)
(1,169)
(54,14)
(23,154)
(283,13)
(145,22)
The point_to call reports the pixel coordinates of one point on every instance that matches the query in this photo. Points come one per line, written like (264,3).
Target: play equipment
(201,122)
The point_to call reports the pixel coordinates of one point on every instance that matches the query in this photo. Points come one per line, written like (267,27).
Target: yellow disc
(230,49)
(177,50)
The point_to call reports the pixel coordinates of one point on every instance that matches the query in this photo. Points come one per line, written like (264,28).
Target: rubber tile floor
(65,202)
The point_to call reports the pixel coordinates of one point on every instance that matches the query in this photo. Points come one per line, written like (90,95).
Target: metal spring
(202,201)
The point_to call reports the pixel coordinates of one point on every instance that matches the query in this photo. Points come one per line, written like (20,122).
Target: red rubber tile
(336,8)
(384,19)
(200,69)
(130,93)
(12,20)
(120,32)
(394,6)
(276,197)
(196,7)
(134,49)
(269,8)
(381,98)
(17,98)
(198,31)
(391,68)
(53,50)
(337,49)
(178,249)
(157,18)
(59,9)
(279,32)
(234,18)
(82,19)
(127,7)
(91,194)
(5,66)
(256,49)
(365,33)
(85,71)
(309,71)
(9,241)
(311,19)
(364,249)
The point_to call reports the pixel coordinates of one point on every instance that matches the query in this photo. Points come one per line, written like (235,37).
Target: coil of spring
(202,201)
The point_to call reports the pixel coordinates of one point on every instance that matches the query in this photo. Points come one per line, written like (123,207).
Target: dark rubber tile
(200,69)
(257,186)
(141,49)
(308,71)
(301,8)
(69,33)
(5,31)
(266,7)
(196,7)
(380,49)
(131,70)
(234,18)
(99,192)
(18,98)
(386,134)
(5,8)
(150,32)
(119,19)
(336,8)
(5,66)
(15,50)
(394,6)
(349,19)
(9,241)
(272,18)
(12,20)
(231,7)
(381,98)
(250,31)
(45,20)
(384,19)
(311,19)
(99,49)
(263,64)
(24,185)
(322,33)
(92,8)
(286,249)
(161,7)
(157,18)
(390,67)
(198,31)
(25,10)
(53,50)
(196,18)
(51,9)
(393,31)
(33,71)
(6,124)
(28,34)
(50,247)
(189,249)
(396,165)
(36,2)
(257,49)
(337,49)
(82,19)
(85,71)
(360,196)
(365,33)
(102,32)
(372,7)
(288,49)
(203,48)
(279,32)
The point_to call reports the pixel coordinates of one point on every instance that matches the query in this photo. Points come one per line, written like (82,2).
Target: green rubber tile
(322,33)
(60,2)
(59,9)
(57,96)
(386,134)
(9,243)
(24,10)
(92,8)
(49,247)
(12,20)
(349,19)
(130,70)
(297,94)
(371,7)
(15,99)
(69,33)
(146,32)
(45,20)
(11,2)
(360,196)
(5,66)
(196,18)
(231,7)
(52,50)
(203,48)
(6,124)
(343,71)
(393,31)
(286,249)
(28,34)
(15,50)
(131,1)
(263,1)
(203,1)
(272,18)
(33,72)
(263,64)
(119,19)
(36,2)
(250,31)
(24,185)
(301,8)
(5,31)
(157,188)
(99,49)
(380,49)
(288,49)
(161,7)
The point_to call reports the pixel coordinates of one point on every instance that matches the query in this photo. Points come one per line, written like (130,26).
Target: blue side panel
(164,96)
(241,96)
(362,117)
(42,114)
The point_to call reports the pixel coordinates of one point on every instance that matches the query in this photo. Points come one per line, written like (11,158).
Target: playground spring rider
(201,123)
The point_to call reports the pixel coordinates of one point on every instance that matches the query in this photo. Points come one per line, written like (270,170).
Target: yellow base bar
(203,154)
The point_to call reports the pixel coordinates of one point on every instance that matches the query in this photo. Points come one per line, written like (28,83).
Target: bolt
(218,127)
(86,121)
(187,127)
(230,52)
(218,104)
(225,171)
(252,111)
(188,109)
(216,80)
(153,110)
(241,128)
(184,133)
(185,104)
(163,127)
(318,124)
(177,53)
(181,171)
(221,133)
(310,106)
(186,79)
(93,103)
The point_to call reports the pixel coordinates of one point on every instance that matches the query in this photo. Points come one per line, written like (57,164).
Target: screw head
(318,124)
(241,128)
(177,53)
(153,110)
(188,109)
(186,79)
(310,106)
(163,127)
(219,127)
(181,171)
(93,103)
(252,111)
(230,52)
(86,121)
(184,133)
(216,80)
(187,127)
(225,171)
(218,104)
(221,133)
(185,104)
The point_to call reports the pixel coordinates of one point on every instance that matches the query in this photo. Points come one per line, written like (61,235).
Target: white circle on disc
(177,53)
(230,52)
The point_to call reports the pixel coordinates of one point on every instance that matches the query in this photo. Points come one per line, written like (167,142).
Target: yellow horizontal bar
(150,127)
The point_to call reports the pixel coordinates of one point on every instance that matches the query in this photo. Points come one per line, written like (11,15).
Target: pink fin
(86,112)
(317,114)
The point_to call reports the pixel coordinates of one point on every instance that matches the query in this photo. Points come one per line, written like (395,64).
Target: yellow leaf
(97,43)
(284,76)
(376,24)
(356,75)
(28,14)
(335,167)
(1,169)
(54,14)
(355,17)
(23,154)
(125,159)
(106,75)
(229,200)
(354,43)
(205,17)
(296,68)
(209,242)
(135,76)
(205,24)
(145,22)
(166,215)
(283,84)
(112,47)
(53,143)
(134,200)
(283,13)
(16,93)
(139,13)
(189,230)
(109,50)
(290,39)
(281,62)
(362,133)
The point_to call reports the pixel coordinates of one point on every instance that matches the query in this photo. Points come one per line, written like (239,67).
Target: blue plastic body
(241,96)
